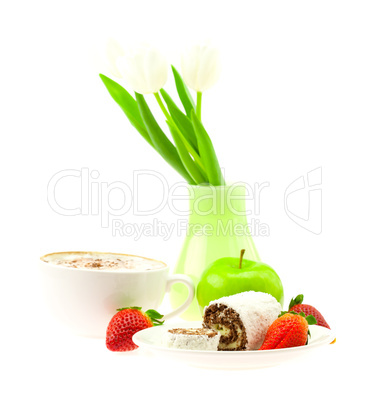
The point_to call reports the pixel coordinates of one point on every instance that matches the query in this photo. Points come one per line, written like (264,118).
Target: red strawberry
(288,331)
(125,323)
(297,306)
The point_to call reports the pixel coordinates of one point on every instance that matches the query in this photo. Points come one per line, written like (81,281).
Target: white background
(292,98)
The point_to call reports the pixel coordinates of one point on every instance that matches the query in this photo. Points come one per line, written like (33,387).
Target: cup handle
(187,281)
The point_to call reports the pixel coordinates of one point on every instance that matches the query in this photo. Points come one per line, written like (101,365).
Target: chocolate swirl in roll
(227,321)
(242,319)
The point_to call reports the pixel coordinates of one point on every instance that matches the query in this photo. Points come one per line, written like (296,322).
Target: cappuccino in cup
(102,261)
(83,289)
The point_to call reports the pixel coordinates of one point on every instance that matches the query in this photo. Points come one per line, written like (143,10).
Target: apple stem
(241,257)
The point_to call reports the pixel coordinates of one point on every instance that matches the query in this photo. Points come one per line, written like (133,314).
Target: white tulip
(200,66)
(144,69)
(104,54)
(113,53)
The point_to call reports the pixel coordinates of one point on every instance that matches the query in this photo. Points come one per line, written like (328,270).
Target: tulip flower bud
(200,66)
(144,69)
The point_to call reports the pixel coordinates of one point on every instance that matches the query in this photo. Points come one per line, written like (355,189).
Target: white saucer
(151,338)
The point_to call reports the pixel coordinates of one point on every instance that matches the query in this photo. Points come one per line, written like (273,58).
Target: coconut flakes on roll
(242,319)
(192,338)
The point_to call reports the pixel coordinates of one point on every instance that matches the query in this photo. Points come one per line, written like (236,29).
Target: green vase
(217,228)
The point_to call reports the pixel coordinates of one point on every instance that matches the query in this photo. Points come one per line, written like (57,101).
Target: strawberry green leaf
(283,313)
(297,300)
(311,320)
(129,308)
(155,317)
(290,312)
(153,314)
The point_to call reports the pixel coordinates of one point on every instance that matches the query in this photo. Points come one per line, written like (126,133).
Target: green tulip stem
(163,108)
(241,257)
(199,105)
(195,155)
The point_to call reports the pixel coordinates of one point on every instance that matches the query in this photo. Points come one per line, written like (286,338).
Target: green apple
(228,276)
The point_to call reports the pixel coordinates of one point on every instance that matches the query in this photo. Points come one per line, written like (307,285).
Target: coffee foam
(103,261)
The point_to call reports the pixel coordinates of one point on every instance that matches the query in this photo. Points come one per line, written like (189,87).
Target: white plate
(151,338)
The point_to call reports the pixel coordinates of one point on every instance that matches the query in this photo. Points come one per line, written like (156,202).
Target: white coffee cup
(85,299)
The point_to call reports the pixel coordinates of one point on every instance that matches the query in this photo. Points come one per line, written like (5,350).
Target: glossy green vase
(217,228)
